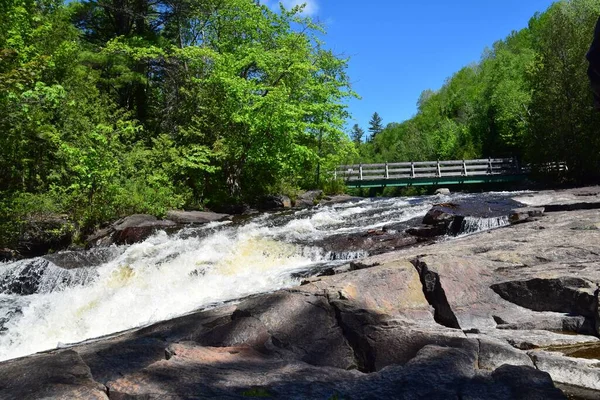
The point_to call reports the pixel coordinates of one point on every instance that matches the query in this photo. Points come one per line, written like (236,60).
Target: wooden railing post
(439,170)
(387,171)
(335,174)
(412,169)
(464,168)
(360,172)
(490,170)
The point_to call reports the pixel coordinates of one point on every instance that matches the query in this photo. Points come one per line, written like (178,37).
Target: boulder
(439,215)
(129,230)
(24,280)
(274,202)
(443,191)
(308,199)
(40,235)
(340,198)
(195,217)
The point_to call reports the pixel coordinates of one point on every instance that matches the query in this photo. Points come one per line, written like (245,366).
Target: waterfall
(470,225)
(69,297)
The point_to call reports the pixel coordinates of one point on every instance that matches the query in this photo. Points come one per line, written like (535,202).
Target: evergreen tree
(375,125)
(357,134)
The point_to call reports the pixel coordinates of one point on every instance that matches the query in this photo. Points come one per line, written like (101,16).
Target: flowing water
(69,297)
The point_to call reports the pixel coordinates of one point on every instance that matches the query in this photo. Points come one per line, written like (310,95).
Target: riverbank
(505,314)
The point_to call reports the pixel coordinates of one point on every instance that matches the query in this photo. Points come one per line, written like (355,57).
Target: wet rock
(129,230)
(427,231)
(195,217)
(81,259)
(24,281)
(59,375)
(440,215)
(358,245)
(42,234)
(338,199)
(308,199)
(274,202)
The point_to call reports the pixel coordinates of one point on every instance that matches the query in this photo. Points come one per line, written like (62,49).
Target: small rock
(442,191)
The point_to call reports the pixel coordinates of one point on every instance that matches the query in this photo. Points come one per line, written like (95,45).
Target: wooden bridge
(438,173)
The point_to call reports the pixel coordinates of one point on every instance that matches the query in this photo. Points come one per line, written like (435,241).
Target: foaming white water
(152,281)
(472,225)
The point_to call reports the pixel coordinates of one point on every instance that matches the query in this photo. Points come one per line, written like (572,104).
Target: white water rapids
(171,275)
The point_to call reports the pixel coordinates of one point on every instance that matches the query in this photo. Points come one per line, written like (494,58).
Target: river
(68,297)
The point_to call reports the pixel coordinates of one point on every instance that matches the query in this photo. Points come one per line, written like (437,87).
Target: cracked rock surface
(506,314)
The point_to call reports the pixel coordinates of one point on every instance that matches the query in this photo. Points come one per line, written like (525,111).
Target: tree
(357,134)
(375,125)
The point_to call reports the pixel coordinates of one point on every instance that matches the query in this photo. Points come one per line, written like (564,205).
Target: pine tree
(357,134)
(375,125)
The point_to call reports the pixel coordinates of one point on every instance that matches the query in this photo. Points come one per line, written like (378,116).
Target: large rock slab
(295,325)
(58,375)
(586,198)
(569,370)
(195,217)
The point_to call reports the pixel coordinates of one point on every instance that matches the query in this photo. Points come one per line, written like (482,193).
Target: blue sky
(398,48)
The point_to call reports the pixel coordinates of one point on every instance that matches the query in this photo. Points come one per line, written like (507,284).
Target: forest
(528,97)
(115,107)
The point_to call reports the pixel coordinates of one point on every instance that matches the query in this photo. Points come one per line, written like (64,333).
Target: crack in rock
(436,296)
(363,353)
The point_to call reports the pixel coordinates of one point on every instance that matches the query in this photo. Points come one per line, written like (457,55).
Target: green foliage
(375,125)
(131,106)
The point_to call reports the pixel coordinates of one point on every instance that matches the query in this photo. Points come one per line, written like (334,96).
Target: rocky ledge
(508,314)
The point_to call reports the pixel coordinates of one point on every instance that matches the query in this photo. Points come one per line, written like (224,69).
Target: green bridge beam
(441,181)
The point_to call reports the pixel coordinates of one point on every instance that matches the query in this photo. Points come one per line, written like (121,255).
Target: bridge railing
(428,169)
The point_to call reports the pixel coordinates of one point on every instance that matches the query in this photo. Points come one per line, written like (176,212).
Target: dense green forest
(528,97)
(113,107)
